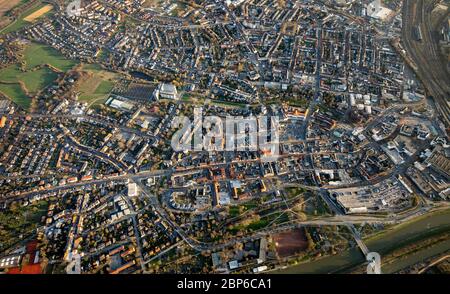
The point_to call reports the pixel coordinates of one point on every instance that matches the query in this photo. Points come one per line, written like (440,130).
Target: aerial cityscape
(224,136)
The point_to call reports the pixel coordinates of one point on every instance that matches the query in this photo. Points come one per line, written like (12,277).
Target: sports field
(290,243)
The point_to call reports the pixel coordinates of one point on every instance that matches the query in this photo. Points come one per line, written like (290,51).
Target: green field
(95,89)
(94,67)
(34,79)
(15,93)
(100,93)
(104,88)
(20,22)
(228,103)
(37,54)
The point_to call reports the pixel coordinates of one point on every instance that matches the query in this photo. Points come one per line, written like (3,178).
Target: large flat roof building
(167,91)
(132,190)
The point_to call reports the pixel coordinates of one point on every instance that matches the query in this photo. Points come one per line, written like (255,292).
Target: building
(235,3)
(10,261)
(439,162)
(2,122)
(132,190)
(377,11)
(166,91)
(418,179)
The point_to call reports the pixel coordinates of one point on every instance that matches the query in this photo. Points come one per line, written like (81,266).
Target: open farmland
(5,6)
(38,13)
(20,22)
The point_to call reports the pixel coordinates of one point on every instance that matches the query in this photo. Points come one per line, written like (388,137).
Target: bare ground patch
(291,242)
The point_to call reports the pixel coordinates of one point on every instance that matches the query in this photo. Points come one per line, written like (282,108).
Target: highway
(425,54)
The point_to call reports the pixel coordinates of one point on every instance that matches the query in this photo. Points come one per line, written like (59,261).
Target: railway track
(425,53)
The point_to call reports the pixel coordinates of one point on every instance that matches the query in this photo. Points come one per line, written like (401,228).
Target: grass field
(228,103)
(94,89)
(37,54)
(33,82)
(33,79)
(15,93)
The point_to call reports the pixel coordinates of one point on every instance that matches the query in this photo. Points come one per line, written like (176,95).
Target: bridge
(358,239)
(350,226)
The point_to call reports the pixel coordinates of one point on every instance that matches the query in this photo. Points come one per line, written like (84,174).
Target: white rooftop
(168,88)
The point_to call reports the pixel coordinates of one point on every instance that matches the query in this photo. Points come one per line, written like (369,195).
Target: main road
(316,99)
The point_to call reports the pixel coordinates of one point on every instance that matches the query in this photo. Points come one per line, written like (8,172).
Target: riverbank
(396,237)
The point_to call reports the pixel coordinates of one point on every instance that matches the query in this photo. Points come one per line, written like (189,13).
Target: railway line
(425,54)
